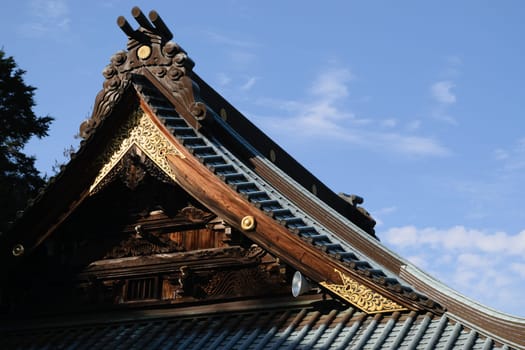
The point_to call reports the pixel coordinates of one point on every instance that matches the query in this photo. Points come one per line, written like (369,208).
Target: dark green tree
(19,179)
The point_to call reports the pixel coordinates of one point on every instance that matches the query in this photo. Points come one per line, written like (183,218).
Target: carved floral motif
(141,132)
(361,296)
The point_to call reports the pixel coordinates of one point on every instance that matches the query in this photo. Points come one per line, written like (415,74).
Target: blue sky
(416,106)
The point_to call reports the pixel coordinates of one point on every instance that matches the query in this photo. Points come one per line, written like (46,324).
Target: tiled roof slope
(285,324)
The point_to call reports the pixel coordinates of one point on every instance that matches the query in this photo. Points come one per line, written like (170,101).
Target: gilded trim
(139,131)
(361,296)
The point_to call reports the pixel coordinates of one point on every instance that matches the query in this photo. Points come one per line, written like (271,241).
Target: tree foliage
(19,179)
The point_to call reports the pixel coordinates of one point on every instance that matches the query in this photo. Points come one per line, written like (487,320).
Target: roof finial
(141,19)
(156,27)
(160,25)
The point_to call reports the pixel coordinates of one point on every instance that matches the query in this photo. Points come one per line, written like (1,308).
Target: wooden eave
(65,192)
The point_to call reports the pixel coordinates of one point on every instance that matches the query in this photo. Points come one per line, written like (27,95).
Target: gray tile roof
(313,325)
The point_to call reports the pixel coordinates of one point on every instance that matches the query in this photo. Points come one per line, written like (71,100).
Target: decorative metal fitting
(18,250)
(144,52)
(248,223)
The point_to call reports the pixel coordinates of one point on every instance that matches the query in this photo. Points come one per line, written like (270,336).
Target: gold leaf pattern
(144,134)
(361,296)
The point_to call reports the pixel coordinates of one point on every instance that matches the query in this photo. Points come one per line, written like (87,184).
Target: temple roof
(153,100)
(304,323)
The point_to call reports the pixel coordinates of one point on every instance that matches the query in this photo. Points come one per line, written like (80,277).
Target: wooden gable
(149,180)
(137,238)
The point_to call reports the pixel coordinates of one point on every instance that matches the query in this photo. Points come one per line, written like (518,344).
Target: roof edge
(497,324)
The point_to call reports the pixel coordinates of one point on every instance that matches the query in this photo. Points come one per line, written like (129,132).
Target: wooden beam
(218,197)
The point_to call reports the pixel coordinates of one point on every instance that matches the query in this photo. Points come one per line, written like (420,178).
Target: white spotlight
(300,284)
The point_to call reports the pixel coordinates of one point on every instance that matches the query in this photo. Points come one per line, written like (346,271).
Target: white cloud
(453,64)
(413,125)
(389,123)
(331,85)
(380,213)
(229,41)
(324,114)
(514,158)
(500,154)
(454,60)
(223,79)
(487,266)
(441,91)
(412,145)
(249,84)
(519,268)
(458,238)
(242,58)
(47,17)
(442,115)
(418,260)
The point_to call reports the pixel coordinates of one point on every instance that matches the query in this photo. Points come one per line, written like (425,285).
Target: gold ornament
(248,223)
(139,131)
(144,52)
(361,296)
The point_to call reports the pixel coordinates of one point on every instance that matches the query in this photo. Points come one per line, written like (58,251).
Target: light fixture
(300,284)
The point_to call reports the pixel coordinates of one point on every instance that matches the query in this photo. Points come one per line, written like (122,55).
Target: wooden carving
(112,91)
(219,273)
(141,243)
(196,215)
(248,281)
(151,54)
(132,170)
(361,296)
(140,132)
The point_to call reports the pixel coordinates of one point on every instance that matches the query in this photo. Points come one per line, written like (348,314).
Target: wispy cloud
(442,92)
(47,17)
(380,213)
(413,125)
(444,97)
(223,79)
(241,55)
(324,114)
(331,85)
(222,39)
(453,63)
(249,83)
(512,158)
(488,266)
(388,123)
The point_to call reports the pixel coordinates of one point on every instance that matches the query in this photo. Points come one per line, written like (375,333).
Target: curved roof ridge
(442,287)
(496,324)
